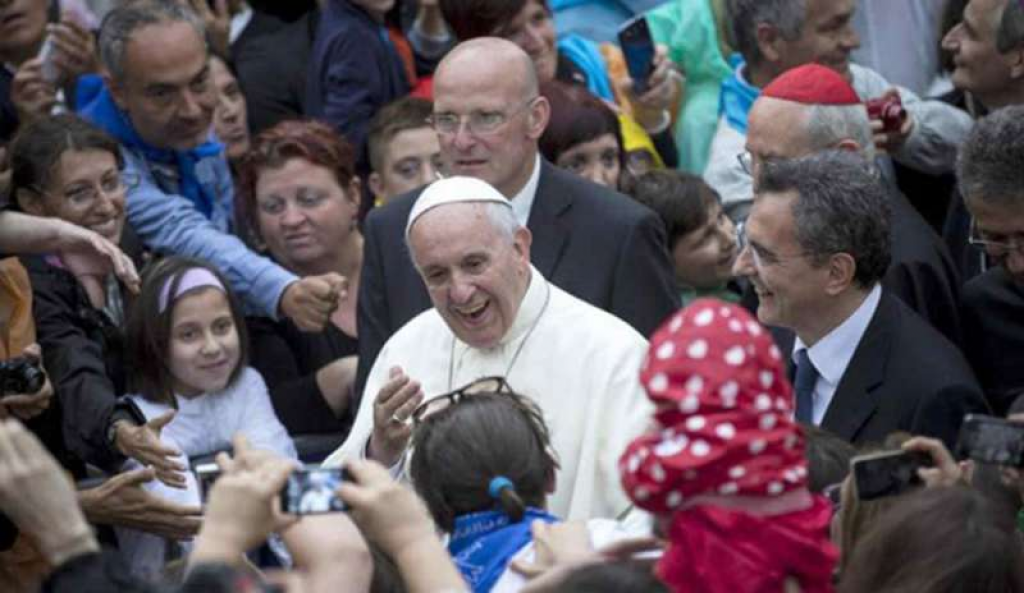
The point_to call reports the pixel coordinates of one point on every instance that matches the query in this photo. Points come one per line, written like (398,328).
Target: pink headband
(192,279)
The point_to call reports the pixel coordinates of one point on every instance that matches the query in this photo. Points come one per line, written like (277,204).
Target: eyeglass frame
(474,129)
(745,245)
(126,182)
(456,395)
(996,248)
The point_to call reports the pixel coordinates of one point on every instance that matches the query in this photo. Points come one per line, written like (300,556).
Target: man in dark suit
(812,108)
(592,242)
(991,175)
(816,249)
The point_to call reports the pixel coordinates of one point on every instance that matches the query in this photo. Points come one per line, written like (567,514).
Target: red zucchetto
(812,84)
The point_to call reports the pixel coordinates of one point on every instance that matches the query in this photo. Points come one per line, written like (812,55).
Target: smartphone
(310,491)
(638,49)
(991,440)
(887,473)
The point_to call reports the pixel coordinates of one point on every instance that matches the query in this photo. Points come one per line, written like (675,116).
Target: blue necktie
(803,385)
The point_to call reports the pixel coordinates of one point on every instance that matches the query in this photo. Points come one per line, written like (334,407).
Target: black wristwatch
(126,410)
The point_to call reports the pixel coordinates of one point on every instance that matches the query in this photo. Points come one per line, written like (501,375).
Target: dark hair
(407,113)
(576,117)
(148,333)
(989,166)
(938,540)
(469,19)
(621,576)
(460,449)
(682,201)
(788,16)
(828,457)
(312,141)
(842,207)
(39,145)
(121,24)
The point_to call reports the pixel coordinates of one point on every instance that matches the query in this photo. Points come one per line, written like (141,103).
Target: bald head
(491,58)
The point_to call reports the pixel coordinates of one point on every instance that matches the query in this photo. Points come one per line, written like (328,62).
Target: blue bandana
(96,105)
(737,97)
(483,543)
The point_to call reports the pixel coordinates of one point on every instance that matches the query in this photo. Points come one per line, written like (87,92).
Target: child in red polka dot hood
(725,462)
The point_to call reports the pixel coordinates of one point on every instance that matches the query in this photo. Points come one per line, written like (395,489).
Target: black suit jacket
(993,313)
(904,376)
(594,243)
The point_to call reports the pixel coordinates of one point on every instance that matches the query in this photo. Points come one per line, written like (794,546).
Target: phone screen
(311,491)
(992,440)
(638,49)
(887,474)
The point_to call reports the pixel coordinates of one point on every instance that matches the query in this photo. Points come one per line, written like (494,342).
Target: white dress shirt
(522,202)
(832,353)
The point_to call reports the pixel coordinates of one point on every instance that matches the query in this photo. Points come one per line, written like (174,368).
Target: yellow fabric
(17,329)
(634,137)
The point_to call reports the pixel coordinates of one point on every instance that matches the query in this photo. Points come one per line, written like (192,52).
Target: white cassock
(580,364)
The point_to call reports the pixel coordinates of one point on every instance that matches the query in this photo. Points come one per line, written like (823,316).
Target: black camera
(21,375)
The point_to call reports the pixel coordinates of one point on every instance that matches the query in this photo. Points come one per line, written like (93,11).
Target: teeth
(474,310)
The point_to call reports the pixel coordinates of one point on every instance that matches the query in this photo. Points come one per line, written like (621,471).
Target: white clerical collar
(832,353)
(522,202)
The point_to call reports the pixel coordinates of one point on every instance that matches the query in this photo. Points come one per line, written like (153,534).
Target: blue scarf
(483,543)
(737,97)
(96,105)
(587,56)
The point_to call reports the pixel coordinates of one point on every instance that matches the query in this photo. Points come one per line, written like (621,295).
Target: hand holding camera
(891,123)
(25,391)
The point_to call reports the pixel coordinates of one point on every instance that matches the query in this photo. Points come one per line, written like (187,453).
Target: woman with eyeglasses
(299,199)
(483,463)
(63,167)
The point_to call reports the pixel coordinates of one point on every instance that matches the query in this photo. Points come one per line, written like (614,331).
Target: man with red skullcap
(774,36)
(812,108)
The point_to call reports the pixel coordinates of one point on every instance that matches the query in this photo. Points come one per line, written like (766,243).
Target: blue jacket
(168,222)
(354,70)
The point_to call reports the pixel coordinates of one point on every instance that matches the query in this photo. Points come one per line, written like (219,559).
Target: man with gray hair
(988,57)
(812,108)
(774,36)
(157,100)
(494,314)
(991,175)
(816,249)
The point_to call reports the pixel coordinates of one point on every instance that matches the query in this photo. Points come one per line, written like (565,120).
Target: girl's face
(596,160)
(204,348)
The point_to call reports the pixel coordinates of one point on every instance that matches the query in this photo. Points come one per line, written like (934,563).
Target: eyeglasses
(995,248)
(85,196)
(478,123)
(440,402)
(761,260)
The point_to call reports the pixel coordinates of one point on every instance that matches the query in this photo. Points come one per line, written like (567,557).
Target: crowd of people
(442,295)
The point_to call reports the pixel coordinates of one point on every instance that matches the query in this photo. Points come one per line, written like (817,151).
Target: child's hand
(143,444)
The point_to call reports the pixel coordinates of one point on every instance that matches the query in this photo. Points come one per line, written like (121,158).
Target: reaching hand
(74,49)
(29,405)
(32,95)
(244,506)
(122,501)
(392,410)
(38,497)
(87,253)
(310,301)
(218,23)
(143,444)
(891,142)
(662,88)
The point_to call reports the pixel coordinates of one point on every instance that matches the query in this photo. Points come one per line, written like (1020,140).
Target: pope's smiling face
(476,274)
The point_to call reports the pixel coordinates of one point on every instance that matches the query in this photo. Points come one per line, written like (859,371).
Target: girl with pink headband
(188,346)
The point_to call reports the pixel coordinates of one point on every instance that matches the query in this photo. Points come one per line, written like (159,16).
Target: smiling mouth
(473,314)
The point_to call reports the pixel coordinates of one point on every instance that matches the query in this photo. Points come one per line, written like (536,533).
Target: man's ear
(769,42)
(30,202)
(376,185)
(538,117)
(354,191)
(841,271)
(521,241)
(848,144)
(1016,59)
(117,92)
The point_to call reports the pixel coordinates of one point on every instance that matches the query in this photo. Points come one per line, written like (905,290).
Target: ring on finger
(395,419)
